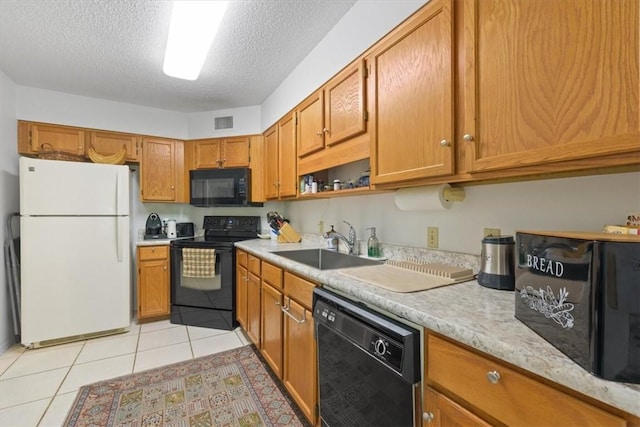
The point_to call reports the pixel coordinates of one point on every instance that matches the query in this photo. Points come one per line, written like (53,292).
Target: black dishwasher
(368,365)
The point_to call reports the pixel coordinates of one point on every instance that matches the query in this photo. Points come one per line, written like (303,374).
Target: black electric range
(207,298)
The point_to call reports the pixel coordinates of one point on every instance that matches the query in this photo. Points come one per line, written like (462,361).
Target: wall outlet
(491,232)
(321,226)
(432,237)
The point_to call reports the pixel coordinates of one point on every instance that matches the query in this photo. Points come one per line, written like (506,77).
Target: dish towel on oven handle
(199,262)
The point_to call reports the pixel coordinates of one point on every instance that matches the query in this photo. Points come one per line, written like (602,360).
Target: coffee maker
(153,228)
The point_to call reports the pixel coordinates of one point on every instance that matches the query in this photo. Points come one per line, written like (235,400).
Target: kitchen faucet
(351,242)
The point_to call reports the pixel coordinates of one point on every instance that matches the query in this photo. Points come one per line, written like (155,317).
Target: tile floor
(38,387)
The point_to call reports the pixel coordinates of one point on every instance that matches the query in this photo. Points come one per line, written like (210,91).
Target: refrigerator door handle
(122,228)
(120,194)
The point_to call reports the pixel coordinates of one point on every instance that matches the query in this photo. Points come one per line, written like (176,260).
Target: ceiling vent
(223,123)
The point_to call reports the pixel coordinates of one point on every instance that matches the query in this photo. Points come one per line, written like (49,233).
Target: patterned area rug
(233,388)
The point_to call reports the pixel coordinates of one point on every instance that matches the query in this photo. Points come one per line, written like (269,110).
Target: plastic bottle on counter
(373,249)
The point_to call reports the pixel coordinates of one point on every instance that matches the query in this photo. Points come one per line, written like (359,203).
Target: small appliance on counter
(581,292)
(153,228)
(171,229)
(185,229)
(497,263)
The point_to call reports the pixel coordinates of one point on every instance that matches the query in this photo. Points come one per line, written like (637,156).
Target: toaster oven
(581,292)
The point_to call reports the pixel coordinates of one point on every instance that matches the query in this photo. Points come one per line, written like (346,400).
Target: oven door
(204,302)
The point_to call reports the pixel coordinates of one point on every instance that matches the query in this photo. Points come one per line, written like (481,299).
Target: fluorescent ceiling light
(193,26)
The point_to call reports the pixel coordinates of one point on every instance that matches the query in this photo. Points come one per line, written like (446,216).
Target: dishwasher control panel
(362,333)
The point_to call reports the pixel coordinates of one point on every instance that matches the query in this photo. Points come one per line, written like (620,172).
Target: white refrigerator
(74,251)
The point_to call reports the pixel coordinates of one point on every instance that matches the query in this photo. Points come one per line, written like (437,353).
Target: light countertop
(471,314)
(159,242)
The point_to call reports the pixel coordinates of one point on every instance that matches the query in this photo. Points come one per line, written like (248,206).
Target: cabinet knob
(493,377)
(165,267)
(445,143)
(427,417)
(277,302)
(172,187)
(467,137)
(319,133)
(325,130)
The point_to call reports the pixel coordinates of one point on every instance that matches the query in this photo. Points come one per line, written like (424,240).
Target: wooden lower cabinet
(465,387)
(253,309)
(153,282)
(272,333)
(282,327)
(242,278)
(300,365)
(441,411)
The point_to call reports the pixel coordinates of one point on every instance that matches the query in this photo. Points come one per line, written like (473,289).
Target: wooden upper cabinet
(207,153)
(334,113)
(280,159)
(159,173)
(271,163)
(550,81)
(44,137)
(412,84)
(235,152)
(310,134)
(221,152)
(288,177)
(344,104)
(112,142)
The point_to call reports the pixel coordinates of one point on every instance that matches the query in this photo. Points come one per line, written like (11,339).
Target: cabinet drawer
(272,275)
(153,252)
(513,398)
(254,265)
(299,289)
(241,258)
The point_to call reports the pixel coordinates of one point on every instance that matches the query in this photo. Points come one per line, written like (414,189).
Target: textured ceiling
(114,49)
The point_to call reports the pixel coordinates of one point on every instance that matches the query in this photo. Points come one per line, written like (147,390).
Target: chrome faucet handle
(352,233)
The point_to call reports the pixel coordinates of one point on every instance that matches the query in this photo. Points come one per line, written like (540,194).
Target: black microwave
(221,187)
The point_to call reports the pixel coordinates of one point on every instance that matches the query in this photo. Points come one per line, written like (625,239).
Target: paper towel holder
(453,194)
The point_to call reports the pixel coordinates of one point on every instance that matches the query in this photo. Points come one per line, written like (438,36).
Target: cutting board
(399,279)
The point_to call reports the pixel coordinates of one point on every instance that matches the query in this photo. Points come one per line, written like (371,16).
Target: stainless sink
(324,259)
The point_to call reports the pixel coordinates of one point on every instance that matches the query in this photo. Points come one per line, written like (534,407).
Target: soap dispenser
(373,250)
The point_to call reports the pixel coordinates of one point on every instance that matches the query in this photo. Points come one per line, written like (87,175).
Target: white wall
(580,203)
(61,108)
(246,121)
(9,194)
(364,24)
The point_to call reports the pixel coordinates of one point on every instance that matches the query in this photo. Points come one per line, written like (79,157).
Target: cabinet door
(550,81)
(271,336)
(344,99)
(242,279)
(158,166)
(411,82)
(288,178)
(235,152)
(271,163)
(110,143)
(253,309)
(439,411)
(207,153)
(310,134)
(300,370)
(153,288)
(59,138)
